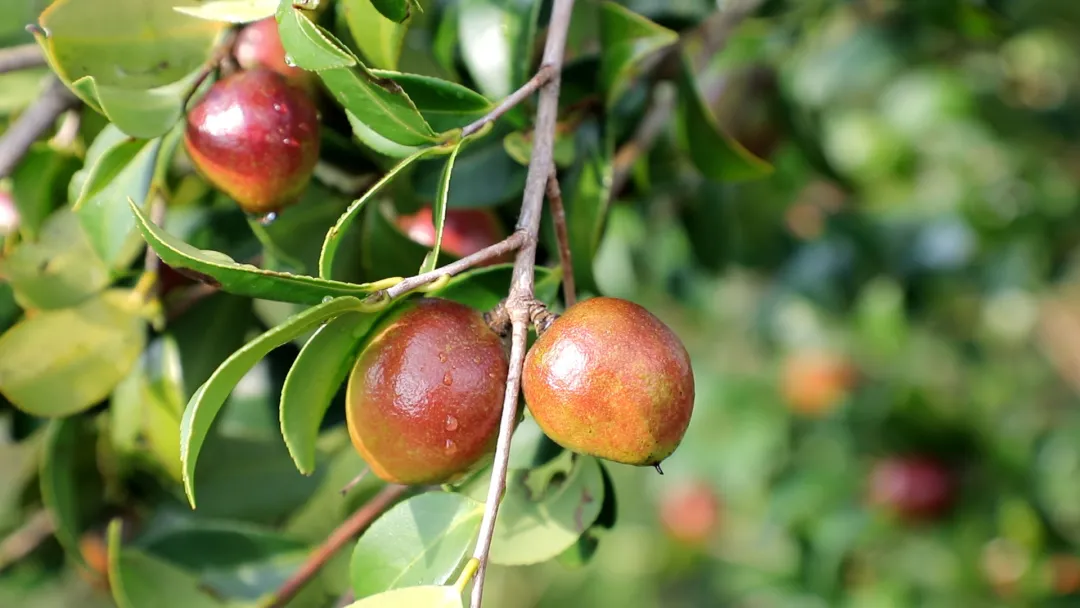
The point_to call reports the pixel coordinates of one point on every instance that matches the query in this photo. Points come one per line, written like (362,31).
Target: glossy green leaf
(587,193)
(308,45)
(240,279)
(378,38)
(541,516)
(38,185)
(146,406)
(385,248)
(91,348)
(313,380)
(231,11)
(445,40)
(139,113)
(531,447)
(59,270)
(422,541)
(496,40)
(394,10)
(226,317)
(438,212)
(715,154)
(70,489)
(135,45)
(484,176)
(626,39)
(138,580)
(205,404)
(444,105)
(336,235)
(519,147)
(413,597)
(124,173)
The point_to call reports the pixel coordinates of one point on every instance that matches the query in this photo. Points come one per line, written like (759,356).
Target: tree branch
(562,235)
(491,252)
(348,530)
(542,76)
(23,541)
(37,119)
(21,57)
(521,300)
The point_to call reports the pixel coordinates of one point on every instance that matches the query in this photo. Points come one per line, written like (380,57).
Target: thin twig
(36,120)
(348,530)
(68,131)
(562,236)
(23,541)
(542,76)
(520,301)
(21,57)
(510,243)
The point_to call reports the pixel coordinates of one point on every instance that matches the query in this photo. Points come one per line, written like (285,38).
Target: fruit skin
(609,379)
(425,394)
(814,383)
(690,513)
(9,214)
(913,487)
(256,138)
(465,231)
(259,45)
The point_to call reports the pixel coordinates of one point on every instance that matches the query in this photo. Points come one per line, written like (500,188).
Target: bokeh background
(901,287)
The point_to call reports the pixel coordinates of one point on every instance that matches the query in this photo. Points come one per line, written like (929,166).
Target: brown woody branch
(21,57)
(542,77)
(31,124)
(521,301)
(486,254)
(562,236)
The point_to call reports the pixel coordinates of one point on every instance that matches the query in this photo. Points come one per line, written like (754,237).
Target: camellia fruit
(465,231)
(256,138)
(259,45)
(609,379)
(425,395)
(913,487)
(690,513)
(815,382)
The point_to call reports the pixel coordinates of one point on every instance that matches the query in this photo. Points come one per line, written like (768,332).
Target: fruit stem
(467,574)
(541,317)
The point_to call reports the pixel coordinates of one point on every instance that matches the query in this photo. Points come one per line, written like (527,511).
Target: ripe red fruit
(259,45)
(913,487)
(425,394)
(814,383)
(465,231)
(690,513)
(256,138)
(609,379)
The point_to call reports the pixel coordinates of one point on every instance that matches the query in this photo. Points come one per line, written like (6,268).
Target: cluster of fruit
(607,378)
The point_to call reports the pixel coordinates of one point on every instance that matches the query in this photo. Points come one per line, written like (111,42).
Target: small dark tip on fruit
(658,469)
(268,219)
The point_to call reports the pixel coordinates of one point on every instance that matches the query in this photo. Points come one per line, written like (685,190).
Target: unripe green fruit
(609,379)
(256,138)
(425,395)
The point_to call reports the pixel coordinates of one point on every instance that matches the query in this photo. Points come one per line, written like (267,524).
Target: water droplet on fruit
(447,380)
(268,219)
(279,108)
(451,423)
(289,61)
(442,357)
(451,447)
(292,143)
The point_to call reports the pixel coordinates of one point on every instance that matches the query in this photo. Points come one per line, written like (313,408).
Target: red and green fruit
(465,231)
(609,379)
(912,487)
(256,138)
(690,512)
(259,45)
(425,395)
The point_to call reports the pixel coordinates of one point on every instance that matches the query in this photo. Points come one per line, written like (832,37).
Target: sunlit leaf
(413,597)
(497,42)
(232,11)
(138,580)
(626,38)
(438,212)
(378,38)
(444,105)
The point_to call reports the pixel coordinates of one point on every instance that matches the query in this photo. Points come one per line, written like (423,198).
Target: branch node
(541,317)
(498,319)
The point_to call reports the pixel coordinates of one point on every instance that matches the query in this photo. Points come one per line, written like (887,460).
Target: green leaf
(313,380)
(519,147)
(438,212)
(240,279)
(231,11)
(138,580)
(59,270)
(484,176)
(444,105)
(124,172)
(139,113)
(541,516)
(70,487)
(413,597)
(531,447)
(90,349)
(385,248)
(626,39)
(226,317)
(496,39)
(147,405)
(135,45)
(715,154)
(299,230)
(38,185)
(208,400)
(587,195)
(422,541)
(336,235)
(378,38)
(394,10)
(308,45)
